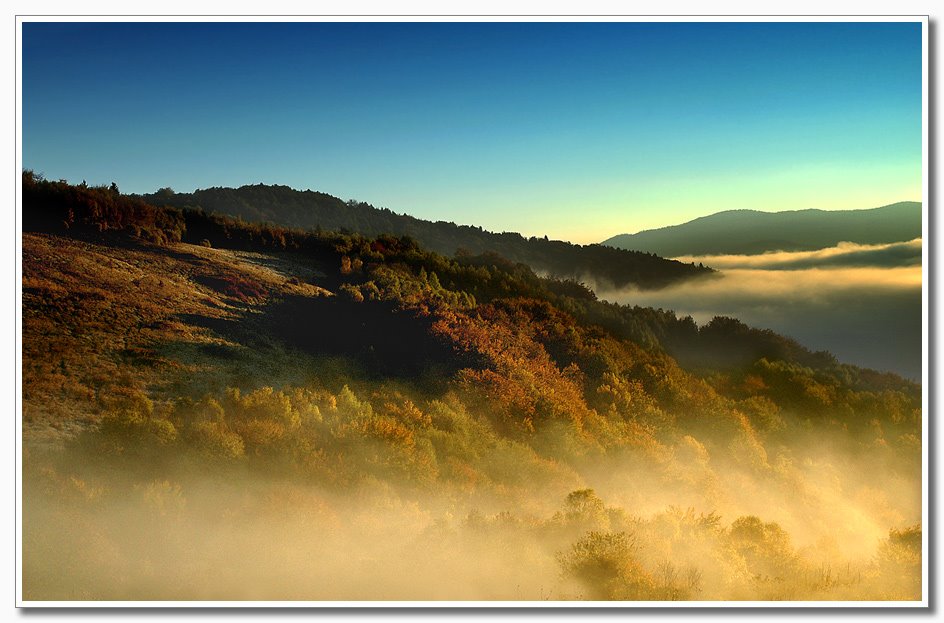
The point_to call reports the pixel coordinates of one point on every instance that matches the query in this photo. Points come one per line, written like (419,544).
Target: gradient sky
(577,131)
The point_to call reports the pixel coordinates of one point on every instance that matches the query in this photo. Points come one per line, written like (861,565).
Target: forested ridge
(354,414)
(309,210)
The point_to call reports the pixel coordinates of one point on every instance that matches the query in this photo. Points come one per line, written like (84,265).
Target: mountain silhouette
(752,231)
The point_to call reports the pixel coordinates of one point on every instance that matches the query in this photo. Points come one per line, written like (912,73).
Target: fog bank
(862,303)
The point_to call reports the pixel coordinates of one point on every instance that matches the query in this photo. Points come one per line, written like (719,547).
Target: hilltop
(751,231)
(311,211)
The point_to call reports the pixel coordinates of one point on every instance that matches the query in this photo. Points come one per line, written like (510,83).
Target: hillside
(751,232)
(309,210)
(209,404)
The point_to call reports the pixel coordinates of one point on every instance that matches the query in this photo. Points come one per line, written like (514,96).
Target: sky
(578,131)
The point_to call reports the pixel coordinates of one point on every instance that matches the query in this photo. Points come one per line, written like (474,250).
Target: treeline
(59,206)
(397,269)
(311,210)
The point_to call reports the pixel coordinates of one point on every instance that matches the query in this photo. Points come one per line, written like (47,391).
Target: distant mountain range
(752,231)
(309,210)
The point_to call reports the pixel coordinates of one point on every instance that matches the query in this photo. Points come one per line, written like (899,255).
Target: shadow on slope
(387,342)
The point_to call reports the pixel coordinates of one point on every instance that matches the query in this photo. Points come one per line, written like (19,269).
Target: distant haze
(750,231)
(860,302)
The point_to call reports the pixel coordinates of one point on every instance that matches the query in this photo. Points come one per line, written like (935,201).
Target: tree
(585,506)
(604,563)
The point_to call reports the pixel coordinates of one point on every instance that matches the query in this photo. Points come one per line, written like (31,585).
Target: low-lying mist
(843,255)
(145,509)
(862,303)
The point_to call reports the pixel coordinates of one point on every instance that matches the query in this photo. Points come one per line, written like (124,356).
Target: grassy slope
(103,318)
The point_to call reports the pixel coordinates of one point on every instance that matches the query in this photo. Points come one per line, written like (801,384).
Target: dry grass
(100,319)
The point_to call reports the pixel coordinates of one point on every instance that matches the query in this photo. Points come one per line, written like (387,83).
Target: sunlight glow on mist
(889,255)
(866,312)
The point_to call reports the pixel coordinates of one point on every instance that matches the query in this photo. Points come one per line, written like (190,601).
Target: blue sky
(577,131)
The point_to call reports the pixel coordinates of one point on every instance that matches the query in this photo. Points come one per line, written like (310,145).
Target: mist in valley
(862,303)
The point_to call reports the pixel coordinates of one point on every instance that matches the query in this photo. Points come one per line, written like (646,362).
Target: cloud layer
(862,303)
(845,254)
